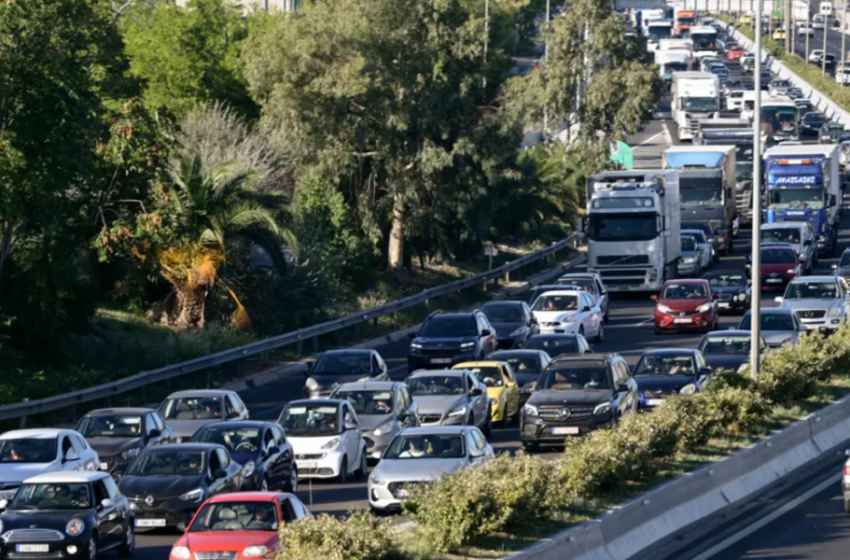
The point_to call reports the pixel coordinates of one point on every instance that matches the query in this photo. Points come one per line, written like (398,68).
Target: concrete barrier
(635,526)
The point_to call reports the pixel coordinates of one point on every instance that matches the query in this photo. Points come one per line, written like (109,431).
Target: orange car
(734,52)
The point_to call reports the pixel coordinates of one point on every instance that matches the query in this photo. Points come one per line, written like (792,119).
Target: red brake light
(846,470)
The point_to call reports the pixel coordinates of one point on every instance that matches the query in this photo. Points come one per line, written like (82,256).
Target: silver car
(706,250)
(186,412)
(383,408)
(819,302)
(589,282)
(778,326)
(422,455)
(450,398)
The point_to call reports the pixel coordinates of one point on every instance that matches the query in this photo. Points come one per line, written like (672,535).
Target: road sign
(624,155)
(490,250)
(825,8)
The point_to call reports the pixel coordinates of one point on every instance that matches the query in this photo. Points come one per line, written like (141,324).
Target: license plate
(104,466)
(654,402)
(723,305)
(441,360)
(623,288)
(568,431)
(774,280)
(32,548)
(681,321)
(307,464)
(150,522)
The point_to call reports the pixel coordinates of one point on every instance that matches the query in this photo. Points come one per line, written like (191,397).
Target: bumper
(733,305)
(826,324)
(320,465)
(388,495)
(687,269)
(376,445)
(568,328)
(697,321)
(55,549)
(418,361)
(535,430)
(166,515)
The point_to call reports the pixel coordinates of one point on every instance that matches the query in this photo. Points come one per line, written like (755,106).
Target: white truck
(633,228)
(670,61)
(695,96)
(657,30)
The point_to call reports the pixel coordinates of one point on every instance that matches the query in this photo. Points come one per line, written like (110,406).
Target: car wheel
(292,484)
(487,428)
(846,506)
(92,549)
(600,335)
(530,447)
(264,485)
(343,471)
(363,469)
(658,332)
(129,544)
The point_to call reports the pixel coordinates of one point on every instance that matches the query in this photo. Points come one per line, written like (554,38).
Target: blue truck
(803,184)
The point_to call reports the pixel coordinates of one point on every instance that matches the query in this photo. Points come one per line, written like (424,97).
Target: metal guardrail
(106,391)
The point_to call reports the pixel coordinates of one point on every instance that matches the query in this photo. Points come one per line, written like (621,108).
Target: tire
(343,471)
(91,548)
(487,428)
(846,506)
(363,469)
(658,332)
(292,485)
(530,447)
(264,484)
(600,336)
(129,544)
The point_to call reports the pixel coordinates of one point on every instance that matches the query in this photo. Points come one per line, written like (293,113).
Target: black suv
(576,395)
(446,339)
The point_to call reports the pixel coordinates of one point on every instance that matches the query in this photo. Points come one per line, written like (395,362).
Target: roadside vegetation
(203,179)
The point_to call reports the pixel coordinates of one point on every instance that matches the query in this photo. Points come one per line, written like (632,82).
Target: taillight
(846,470)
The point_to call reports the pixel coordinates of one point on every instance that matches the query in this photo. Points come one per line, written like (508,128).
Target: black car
(446,339)
(120,434)
(842,269)
(527,364)
(831,61)
(577,395)
(727,350)
(267,459)
(733,290)
(812,123)
(67,515)
(513,322)
(336,367)
(560,344)
(166,484)
(671,371)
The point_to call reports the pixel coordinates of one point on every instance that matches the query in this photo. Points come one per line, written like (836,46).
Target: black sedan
(120,434)
(812,123)
(728,350)
(336,367)
(513,322)
(527,365)
(733,291)
(561,344)
(166,484)
(71,515)
(267,460)
(673,371)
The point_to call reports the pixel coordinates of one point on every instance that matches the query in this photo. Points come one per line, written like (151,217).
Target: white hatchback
(569,311)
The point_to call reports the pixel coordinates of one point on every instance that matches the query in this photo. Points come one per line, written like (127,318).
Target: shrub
(696,421)
(357,537)
(790,374)
(740,411)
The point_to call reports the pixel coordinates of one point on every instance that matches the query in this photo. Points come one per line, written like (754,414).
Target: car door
(122,513)
(603,296)
(511,390)
(482,444)
(351,438)
(109,527)
(286,458)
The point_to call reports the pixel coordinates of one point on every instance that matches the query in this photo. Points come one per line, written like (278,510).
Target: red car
(239,525)
(734,52)
(779,265)
(685,305)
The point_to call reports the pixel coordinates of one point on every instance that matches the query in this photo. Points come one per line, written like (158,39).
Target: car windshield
(688,244)
(521,363)
(492,373)
(584,284)
(236,440)
(699,104)
(785,235)
(640,226)
(28,450)
(236,516)
(684,291)
(726,280)
(575,376)
(52,496)
(654,365)
(436,385)
(369,403)
(769,322)
(812,290)
(168,462)
(426,446)
(813,117)
(744,171)
(784,199)
(111,426)
(193,408)
(504,313)
(777,256)
(554,346)
(730,345)
(332,363)
(310,419)
(845,260)
(442,327)
(556,303)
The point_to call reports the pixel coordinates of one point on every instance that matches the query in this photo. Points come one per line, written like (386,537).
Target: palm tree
(214,206)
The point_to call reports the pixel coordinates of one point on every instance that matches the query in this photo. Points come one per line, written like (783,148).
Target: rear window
(578,375)
(553,346)
(777,256)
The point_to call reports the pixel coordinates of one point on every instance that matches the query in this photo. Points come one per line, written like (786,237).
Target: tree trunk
(396,248)
(6,239)
(189,307)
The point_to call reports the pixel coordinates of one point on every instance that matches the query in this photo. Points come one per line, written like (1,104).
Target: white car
(804,29)
(326,438)
(569,311)
(704,245)
(26,453)
(817,23)
(816,56)
(589,282)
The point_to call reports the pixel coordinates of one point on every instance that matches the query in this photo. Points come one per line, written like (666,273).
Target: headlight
(663,308)
(415,346)
(520,331)
(690,260)
(75,527)
(529,410)
(688,389)
(311,384)
(181,552)
(721,239)
(792,270)
(703,308)
(130,453)
(331,444)
(603,408)
(375,480)
(457,412)
(248,469)
(568,318)
(821,238)
(835,312)
(653,274)
(255,551)
(467,346)
(193,495)
(741,297)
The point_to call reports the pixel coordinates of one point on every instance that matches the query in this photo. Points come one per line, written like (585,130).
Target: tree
(187,55)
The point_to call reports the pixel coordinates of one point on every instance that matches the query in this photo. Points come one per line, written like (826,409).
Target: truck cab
(685,20)
(696,96)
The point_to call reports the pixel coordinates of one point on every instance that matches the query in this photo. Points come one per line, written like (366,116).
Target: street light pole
(808,26)
(843,55)
(486,37)
(823,58)
(755,272)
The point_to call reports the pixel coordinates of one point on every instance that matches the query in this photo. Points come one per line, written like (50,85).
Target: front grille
(811,314)
(628,272)
(444,351)
(221,555)
(32,535)
(317,472)
(623,259)
(564,413)
(393,487)
(725,297)
(310,456)
(682,313)
(430,418)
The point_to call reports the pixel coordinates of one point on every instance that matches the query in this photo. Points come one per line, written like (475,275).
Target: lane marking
(648,140)
(667,134)
(721,546)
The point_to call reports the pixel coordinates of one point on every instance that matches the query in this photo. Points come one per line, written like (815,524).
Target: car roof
(513,302)
(113,411)
(562,292)
(465,315)
(772,311)
(59,477)
(183,447)
(518,352)
(348,352)
(249,497)
(366,385)
(780,225)
(688,281)
(236,424)
(553,336)
(727,332)
(438,372)
(330,402)
(587,275)
(446,430)
(670,351)
(480,363)
(34,433)
(585,358)
(814,278)
(691,231)
(200,393)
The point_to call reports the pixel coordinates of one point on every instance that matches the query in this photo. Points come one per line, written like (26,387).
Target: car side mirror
(154,433)
(4,504)
(778,299)
(715,296)
(106,503)
(219,473)
(653,297)
(489,381)
(832,200)
(475,454)
(411,335)
(71,455)
(835,267)
(476,391)
(349,426)
(622,388)
(181,526)
(486,332)
(705,371)
(273,451)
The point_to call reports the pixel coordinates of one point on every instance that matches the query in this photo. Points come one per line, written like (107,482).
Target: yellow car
(748,19)
(501,388)
(779,35)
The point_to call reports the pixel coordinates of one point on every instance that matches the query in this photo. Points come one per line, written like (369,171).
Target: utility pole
(843,56)
(808,26)
(545,51)
(755,271)
(825,33)
(486,36)
(788,47)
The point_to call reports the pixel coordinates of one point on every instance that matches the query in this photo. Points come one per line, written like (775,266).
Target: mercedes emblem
(149,500)
(564,413)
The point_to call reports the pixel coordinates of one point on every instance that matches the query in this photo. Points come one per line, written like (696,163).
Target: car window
(509,371)
(298,508)
(279,438)
(231,409)
(470,442)
(268,439)
(100,492)
(348,415)
(480,442)
(66,445)
(111,487)
(78,443)
(621,374)
(406,396)
(471,383)
(375,367)
(160,424)
(150,425)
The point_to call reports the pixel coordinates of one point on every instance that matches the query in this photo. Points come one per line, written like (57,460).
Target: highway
(629,332)
(833,43)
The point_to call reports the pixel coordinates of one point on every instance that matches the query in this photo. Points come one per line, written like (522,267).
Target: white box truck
(695,96)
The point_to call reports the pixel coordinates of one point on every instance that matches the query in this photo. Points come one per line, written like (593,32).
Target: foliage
(356,537)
